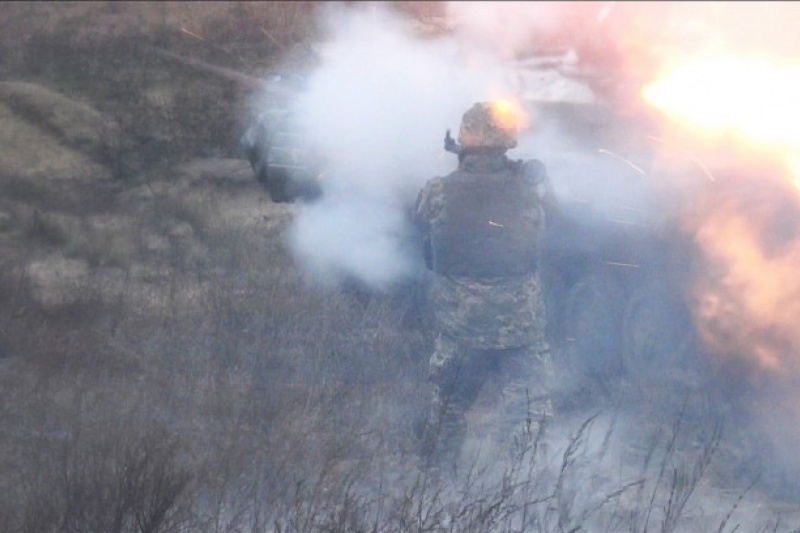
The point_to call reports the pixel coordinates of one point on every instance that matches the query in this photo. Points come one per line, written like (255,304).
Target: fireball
(747,301)
(752,98)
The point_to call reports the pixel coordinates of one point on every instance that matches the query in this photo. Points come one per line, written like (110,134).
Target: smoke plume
(377,109)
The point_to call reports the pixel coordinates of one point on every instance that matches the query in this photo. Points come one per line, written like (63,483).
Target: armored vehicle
(282,160)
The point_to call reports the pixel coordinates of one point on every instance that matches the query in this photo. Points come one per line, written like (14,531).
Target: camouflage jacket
(488,312)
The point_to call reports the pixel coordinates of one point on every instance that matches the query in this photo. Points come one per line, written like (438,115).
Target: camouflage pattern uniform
(489,321)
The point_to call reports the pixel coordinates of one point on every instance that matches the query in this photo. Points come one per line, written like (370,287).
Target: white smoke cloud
(377,109)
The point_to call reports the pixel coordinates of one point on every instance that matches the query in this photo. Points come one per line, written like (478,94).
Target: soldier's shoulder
(429,199)
(435,181)
(433,185)
(534,171)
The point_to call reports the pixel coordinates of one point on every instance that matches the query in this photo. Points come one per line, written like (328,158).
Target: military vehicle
(281,158)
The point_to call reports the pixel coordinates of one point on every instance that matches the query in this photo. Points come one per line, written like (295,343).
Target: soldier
(481,224)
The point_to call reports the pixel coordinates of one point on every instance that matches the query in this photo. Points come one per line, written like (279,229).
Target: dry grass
(249,401)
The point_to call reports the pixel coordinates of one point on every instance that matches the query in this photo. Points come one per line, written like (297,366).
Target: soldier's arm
(428,205)
(536,173)
(426,209)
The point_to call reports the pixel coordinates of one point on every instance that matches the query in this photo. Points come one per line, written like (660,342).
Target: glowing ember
(509,115)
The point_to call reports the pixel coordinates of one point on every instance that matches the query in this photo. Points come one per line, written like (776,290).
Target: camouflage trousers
(458,373)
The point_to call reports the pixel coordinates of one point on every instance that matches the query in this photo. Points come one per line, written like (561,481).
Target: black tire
(554,294)
(276,182)
(657,333)
(591,321)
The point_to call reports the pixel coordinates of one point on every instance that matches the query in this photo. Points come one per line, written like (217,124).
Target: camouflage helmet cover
(489,124)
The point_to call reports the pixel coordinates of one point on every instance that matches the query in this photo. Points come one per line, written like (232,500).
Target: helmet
(489,124)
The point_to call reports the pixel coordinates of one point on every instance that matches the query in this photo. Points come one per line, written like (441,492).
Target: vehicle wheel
(657,333)
(276,184)
(591,324)
(554,294)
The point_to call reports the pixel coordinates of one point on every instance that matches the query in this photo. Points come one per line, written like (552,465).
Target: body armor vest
(488,226)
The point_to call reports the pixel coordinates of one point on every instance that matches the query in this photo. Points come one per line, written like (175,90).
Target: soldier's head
(489,125)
